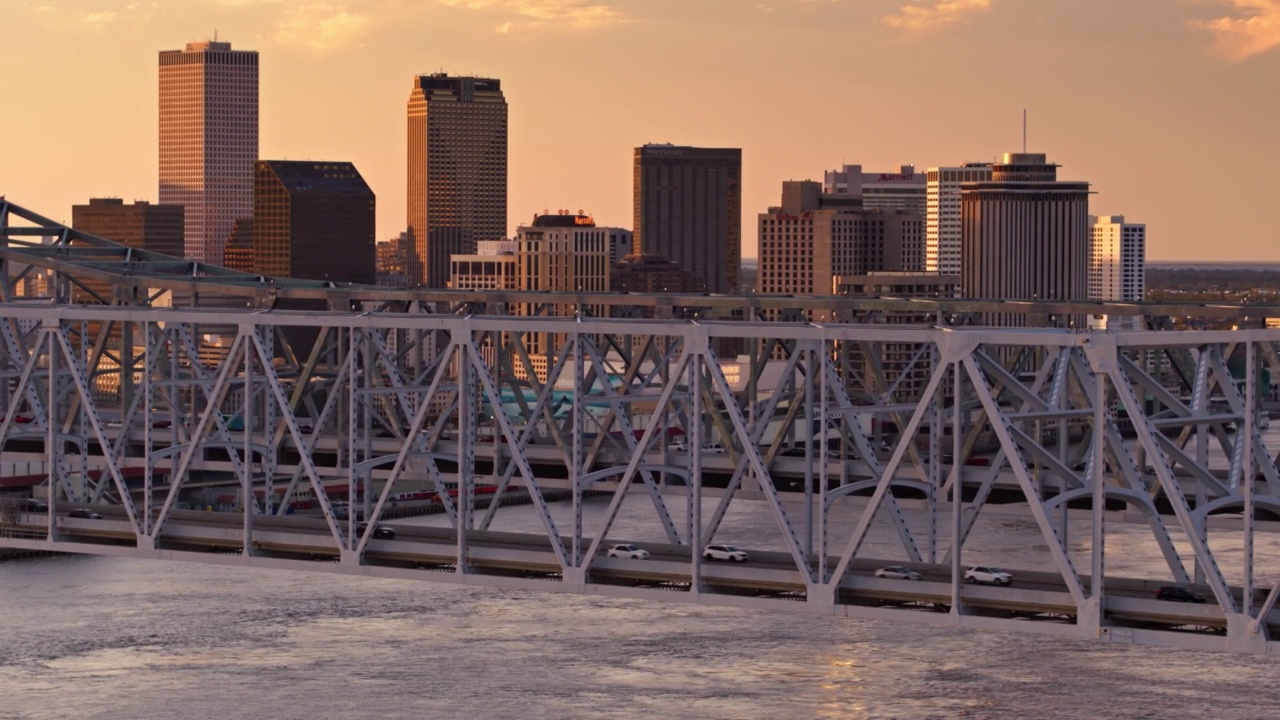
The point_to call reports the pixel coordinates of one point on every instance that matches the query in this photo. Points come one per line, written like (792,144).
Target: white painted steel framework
(120,408)
(1066,418)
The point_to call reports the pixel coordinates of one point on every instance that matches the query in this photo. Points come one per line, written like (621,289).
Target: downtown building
(313,220)
(208,141)
(1117,267)
(806,242)
(688,209)
(1025,236)
(816,243)
(457,181)
(942,214)
(142,226)
(904,189)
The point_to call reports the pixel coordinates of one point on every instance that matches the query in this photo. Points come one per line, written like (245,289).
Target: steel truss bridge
(842,430)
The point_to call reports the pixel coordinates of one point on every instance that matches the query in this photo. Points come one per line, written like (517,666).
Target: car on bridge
(635,552)
(724,552)
(897,572)
(986,575)
(33,505)
(84,513)
(1175,593)
(380,532)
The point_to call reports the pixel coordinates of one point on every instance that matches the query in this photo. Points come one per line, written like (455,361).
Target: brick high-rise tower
(208,140)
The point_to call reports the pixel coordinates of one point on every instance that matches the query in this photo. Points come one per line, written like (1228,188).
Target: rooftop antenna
(1024,131)
(215,34)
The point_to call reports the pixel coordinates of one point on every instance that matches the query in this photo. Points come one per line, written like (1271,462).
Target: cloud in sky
(1252,29)
(934,16)
(321,27)
(98,19)
(572,14)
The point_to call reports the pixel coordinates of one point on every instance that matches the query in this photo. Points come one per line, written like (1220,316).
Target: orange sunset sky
(1169,107)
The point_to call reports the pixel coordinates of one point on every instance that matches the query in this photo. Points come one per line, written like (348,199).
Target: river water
(100,637)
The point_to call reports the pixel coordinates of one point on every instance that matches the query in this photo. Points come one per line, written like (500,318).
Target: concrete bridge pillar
(575,579)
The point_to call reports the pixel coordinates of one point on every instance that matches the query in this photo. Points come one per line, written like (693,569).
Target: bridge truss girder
(376,403)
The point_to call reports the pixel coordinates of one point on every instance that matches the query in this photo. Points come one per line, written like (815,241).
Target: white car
(897,572)
(678,446)
(987,575)
(724,552)
(634,552)
(714,449)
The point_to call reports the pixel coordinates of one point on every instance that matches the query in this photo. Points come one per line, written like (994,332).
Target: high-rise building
(457,171)
(208,140)
(313,220)
(564,253)
(144,226)
(392,261)
(1025,236)
(942,214)
(805,243)
(900,190)
(688,209)
(1117,265)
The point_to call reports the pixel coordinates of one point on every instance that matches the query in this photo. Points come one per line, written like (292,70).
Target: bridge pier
(146,542)
(347,556)
(1089,618)
(575,579)
(822,598)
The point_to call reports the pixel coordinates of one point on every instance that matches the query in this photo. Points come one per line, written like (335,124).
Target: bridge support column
(575,579)
(348,556)
(1090,618)
(1244,635)
(146,542)
(822,598)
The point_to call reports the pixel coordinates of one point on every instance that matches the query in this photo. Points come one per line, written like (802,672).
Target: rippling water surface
(99,637)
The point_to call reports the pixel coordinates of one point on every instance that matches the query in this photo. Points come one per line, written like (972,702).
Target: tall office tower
(144,226)
(457,171)
(942,214)
(901,190)
(688,209)
(313,220)
(1117,266)
(805,243)
(208,140)
(1025,236)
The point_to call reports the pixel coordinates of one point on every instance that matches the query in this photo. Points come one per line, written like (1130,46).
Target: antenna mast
(1024,131)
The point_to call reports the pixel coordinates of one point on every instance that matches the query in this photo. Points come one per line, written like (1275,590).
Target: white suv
(724,552)
(987,575)
(629,551)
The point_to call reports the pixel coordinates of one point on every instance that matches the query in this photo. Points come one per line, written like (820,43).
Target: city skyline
(1177,125)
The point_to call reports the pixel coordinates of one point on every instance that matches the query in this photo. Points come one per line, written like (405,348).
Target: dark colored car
(1173,593)
(380,532)
(33,505)
(84,513)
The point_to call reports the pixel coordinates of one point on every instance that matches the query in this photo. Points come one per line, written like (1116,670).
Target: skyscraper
(1025,236)
(208,140)
(457,171)
(688,209)
(942,214)
(313,220)
(1117,265)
